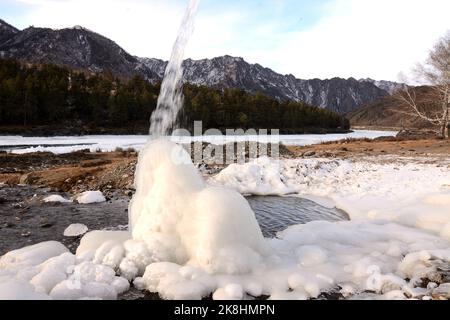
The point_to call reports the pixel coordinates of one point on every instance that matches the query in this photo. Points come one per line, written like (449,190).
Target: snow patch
(89,197)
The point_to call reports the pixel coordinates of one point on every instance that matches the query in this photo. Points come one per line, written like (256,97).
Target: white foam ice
(189,239)
(198,226)
(412,194)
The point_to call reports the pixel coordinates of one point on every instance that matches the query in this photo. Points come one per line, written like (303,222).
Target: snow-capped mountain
(337,94)
(388,86)
(81,48)
(76,47)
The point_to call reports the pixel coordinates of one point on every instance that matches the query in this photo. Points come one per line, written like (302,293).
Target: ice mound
(75,230)
(89,197)
(56,198)
(31,255)
(183,220)
(260,177)
(49,271)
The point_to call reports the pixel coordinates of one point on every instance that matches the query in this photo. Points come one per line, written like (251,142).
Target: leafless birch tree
(433,106)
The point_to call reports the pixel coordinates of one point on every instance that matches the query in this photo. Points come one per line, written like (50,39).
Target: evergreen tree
(52,95)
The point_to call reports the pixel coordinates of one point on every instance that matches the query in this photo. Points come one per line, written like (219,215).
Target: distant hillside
(80,48)
(388,112)
(339,95)
(50,95)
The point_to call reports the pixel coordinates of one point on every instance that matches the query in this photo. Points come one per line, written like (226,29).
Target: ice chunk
(93,240)
(88,197)
(47,279)
(56,198)
(120,285)
(32,255)
(52,272)
(75,230)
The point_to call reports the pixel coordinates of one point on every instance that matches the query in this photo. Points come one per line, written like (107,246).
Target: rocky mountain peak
(389,86)
(81,48)
(6,31)
(75,47)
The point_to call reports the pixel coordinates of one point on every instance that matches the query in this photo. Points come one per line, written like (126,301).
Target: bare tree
(432,105)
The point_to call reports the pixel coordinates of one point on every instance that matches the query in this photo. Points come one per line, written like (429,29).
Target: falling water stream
(273,213)
(170,99)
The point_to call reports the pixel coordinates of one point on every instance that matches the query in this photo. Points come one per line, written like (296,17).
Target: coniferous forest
(50,95)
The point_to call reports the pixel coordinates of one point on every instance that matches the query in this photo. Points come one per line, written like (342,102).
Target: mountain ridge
(81,48)
(7,31)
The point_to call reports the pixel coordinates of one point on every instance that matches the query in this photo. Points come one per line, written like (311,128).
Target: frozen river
(64,144)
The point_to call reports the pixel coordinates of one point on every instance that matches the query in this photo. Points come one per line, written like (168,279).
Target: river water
(26,220)
(65,144)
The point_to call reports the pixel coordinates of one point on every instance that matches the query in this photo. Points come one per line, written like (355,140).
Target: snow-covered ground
(410,193)
(189,238)
(18,144)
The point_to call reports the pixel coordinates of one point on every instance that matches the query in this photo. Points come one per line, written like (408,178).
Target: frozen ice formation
(75,230)
(188,239)
(184,220)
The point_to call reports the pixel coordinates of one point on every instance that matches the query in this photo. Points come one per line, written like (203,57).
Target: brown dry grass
(79,172)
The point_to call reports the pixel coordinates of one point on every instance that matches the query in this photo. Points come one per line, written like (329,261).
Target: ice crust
(189,239)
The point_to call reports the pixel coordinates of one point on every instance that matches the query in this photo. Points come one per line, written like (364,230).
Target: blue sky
(307,38)
(290,14)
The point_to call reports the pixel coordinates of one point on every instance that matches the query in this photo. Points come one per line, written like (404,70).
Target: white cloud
(364,38)
(146,28)
(359,38)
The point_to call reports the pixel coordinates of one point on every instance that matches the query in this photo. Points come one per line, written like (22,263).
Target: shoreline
(106,171)
(57,131)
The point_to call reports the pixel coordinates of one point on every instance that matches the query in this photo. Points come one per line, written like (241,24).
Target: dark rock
(309,154)
(8,225)
(46,225)
(27,178)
